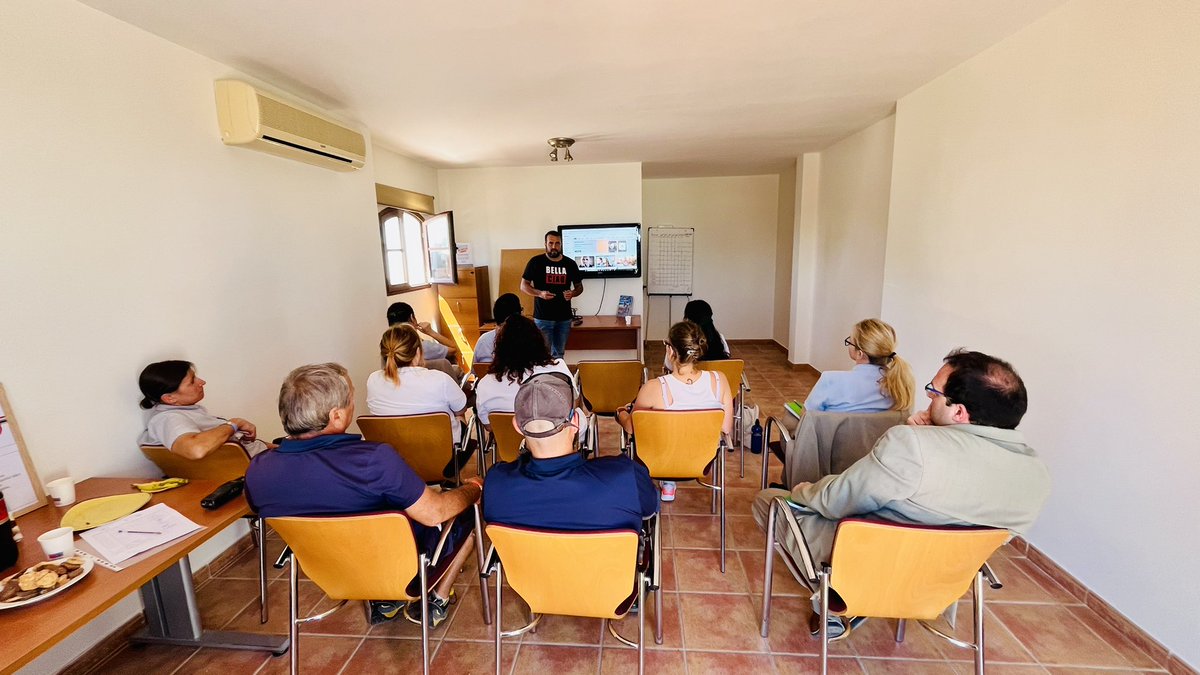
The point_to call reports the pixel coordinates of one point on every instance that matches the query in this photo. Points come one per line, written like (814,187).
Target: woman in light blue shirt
(879,381)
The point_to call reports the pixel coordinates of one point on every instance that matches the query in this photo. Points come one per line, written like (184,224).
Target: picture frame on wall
(18,478)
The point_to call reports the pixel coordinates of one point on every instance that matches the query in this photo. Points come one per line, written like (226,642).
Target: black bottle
(8,545)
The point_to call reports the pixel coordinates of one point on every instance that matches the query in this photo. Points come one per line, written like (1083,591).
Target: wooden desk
(30,631)
(607,332)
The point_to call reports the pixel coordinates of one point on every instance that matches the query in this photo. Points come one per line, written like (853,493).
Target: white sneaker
(668,491)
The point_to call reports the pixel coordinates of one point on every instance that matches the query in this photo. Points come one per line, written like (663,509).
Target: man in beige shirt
(959,462)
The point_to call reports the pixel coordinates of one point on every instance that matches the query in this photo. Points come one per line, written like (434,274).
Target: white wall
(785,230)
(856,176)
(736,220)
(131,234)
(804,257)
(1044,208)
(503,208)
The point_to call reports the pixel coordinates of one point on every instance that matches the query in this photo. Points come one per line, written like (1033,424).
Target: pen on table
(137,532)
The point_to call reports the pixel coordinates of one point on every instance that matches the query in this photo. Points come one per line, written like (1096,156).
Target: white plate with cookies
(41,581)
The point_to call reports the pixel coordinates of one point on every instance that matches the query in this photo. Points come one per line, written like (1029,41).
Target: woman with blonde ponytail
(879,381)
(404,386)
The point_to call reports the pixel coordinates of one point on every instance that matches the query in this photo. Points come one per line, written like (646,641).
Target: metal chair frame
(739,400)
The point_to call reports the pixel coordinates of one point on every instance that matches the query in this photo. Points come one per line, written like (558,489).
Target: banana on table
(161,485)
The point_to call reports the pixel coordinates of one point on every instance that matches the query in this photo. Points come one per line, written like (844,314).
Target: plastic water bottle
(756,438)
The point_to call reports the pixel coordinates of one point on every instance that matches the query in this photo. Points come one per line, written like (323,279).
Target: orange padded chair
(608,385)
(734,371)
(331,551)
(590,574)
(503,440)
(890,570)
(224,464)
(426,442)
(678,445)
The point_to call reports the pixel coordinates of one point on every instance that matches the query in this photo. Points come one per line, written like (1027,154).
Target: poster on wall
(18,479)
(462,254)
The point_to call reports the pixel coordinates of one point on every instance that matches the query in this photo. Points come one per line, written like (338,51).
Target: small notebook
(794,408)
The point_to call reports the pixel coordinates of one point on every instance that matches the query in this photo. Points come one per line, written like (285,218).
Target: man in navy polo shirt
(552,486)
(321,470)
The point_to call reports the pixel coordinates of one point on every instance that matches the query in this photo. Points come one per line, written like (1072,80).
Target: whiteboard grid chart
(670,251)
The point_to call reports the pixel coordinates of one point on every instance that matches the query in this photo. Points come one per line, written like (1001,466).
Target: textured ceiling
(686,88)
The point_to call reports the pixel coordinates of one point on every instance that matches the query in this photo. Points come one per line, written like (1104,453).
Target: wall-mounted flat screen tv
(604,250)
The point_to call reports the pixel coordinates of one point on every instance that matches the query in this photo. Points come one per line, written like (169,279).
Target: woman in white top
(686,387)
(404,386)
(521,352)
(879,381)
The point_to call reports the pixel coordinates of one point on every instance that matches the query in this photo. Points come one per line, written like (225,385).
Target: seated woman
(686,387)
(505,306)
(521,352)
(405,387)
(700,313)
(172,393)
(879,381)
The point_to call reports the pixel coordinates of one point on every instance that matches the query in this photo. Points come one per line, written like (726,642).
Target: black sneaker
(383,611)
(439,609)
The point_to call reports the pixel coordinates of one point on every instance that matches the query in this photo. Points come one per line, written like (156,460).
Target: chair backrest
(732,368)
(223,464)
(480,369)
(677,443)
(426,442)
(609,385)
(508,439)
(570,573)
(361,557)
(891,570)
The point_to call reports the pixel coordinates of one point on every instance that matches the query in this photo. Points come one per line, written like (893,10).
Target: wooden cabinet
(468,303)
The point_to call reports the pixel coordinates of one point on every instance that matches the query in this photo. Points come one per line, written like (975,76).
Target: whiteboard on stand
(670,251)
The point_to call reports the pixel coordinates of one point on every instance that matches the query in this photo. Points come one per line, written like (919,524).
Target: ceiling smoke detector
(561,143)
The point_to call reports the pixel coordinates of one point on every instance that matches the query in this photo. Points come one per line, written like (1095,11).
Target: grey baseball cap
(546,396)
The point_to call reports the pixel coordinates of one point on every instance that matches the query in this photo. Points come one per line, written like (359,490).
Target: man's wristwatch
(235,427)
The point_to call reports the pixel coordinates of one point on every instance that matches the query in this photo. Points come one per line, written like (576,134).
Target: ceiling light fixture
(561,143)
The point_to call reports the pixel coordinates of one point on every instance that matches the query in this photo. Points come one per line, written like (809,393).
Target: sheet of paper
(122,539)
(15,482)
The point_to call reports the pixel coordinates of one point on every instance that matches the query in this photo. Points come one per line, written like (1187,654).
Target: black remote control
(221,496)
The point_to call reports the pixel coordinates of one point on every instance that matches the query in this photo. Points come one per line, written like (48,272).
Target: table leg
(173,617)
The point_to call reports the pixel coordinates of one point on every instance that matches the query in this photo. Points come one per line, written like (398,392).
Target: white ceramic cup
(61,491)
(59,543)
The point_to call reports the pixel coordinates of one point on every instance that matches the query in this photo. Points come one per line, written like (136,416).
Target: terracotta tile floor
(710,620)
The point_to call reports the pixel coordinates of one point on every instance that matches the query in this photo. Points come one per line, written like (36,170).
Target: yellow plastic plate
(101,510)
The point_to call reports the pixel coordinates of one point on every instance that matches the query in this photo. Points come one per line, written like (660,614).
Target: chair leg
(768,570)
(499,630)
(741,423)
(294,615)
(978,602)
(824,622)
(901,625)
(481,558)
(260,538)
(722,498)
(658,591)
(642,623)
(424,614)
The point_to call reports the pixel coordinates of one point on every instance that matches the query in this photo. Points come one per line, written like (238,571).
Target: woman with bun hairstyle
(686,387)
(171,395)
(879,381)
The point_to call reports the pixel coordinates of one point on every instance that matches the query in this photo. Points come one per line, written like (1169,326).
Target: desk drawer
(466,310)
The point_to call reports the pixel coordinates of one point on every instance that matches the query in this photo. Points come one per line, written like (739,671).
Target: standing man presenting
(552,279)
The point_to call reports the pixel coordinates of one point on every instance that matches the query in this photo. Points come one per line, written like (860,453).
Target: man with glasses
(961,461)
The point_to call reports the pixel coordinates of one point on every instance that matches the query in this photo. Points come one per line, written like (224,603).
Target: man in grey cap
(552,486)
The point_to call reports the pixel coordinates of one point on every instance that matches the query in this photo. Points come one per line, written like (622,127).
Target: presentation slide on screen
(603,249)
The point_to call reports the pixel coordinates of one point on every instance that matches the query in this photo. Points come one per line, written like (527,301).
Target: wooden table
(607,332)
(164,577)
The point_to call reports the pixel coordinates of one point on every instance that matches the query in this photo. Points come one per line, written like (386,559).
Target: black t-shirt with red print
(556,276)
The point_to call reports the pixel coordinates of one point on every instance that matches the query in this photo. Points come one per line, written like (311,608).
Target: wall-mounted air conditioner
(257,120)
